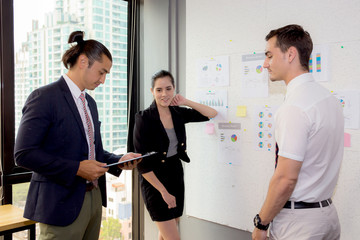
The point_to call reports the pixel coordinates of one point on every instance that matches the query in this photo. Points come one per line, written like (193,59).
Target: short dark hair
(91,48)
(294,35)
(161,74)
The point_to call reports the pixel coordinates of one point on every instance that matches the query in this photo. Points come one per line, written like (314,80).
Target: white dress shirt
(309,127)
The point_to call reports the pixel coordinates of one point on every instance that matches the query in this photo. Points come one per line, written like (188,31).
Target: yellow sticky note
(241,111)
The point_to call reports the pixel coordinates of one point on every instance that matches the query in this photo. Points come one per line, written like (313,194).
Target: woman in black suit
(161,128)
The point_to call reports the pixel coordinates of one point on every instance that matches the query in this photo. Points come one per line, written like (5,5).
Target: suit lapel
(72,105)
(175,118)
(92,107)
(156,116)
(177,123)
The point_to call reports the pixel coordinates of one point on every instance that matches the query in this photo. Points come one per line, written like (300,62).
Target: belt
(302,205)
(89,186)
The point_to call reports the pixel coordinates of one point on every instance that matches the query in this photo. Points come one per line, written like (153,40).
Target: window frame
(12,174)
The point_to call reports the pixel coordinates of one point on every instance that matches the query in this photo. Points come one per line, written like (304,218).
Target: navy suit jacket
(51,142)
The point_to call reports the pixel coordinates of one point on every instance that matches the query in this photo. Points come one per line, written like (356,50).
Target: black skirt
(171,174)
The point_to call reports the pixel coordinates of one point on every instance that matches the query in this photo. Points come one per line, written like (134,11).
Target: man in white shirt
(309,130)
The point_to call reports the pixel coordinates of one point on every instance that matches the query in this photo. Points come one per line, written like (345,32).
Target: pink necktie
(90,133)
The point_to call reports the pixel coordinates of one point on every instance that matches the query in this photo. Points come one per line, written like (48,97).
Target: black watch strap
(257,223)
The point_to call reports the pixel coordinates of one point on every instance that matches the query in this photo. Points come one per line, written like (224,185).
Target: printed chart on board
(216,99)
(254,78)
(213,72)
(229,143)
(350,101)
(319,63)
(264,126)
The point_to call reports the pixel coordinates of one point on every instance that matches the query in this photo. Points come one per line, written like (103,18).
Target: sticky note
(347,140)
(210,128)
(241,111)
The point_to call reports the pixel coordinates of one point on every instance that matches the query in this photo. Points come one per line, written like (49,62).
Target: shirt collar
(299,80)
(74,89)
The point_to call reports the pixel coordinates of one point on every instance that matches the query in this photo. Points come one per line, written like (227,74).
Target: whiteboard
(232,194)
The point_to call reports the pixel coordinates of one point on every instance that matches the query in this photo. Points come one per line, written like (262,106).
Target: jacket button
(182,144)
(164,153)
(162,161)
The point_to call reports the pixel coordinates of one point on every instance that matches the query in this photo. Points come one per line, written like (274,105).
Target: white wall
(236,27)
(155,39)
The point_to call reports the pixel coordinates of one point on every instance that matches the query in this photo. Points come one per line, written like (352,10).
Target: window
(98,27)
(38,48)
(98,18)
(98,11)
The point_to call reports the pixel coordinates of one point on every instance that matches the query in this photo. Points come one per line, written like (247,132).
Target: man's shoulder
(307,94)
(51,91)
(53,87)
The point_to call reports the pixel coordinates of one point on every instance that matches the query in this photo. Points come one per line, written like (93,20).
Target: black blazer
(150,134)
(51,142)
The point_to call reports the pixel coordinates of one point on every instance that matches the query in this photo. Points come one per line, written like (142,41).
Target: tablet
(132,159)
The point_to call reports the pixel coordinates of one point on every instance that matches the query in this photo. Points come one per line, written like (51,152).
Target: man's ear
(83,61)
(292,53)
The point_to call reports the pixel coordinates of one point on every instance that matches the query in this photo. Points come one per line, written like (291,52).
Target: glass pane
(19,194)
(41,35)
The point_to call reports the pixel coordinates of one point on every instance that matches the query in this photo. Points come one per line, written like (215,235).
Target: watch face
(257,223)
(256,220)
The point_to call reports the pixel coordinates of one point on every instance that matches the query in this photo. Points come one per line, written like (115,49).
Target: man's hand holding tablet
(130,160)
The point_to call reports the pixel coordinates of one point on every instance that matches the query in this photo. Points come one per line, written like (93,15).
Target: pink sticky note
(347,140)
(210,128)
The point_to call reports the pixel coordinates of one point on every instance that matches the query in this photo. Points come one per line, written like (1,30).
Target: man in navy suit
(59,140)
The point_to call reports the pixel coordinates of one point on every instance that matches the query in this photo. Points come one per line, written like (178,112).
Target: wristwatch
(257,223)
